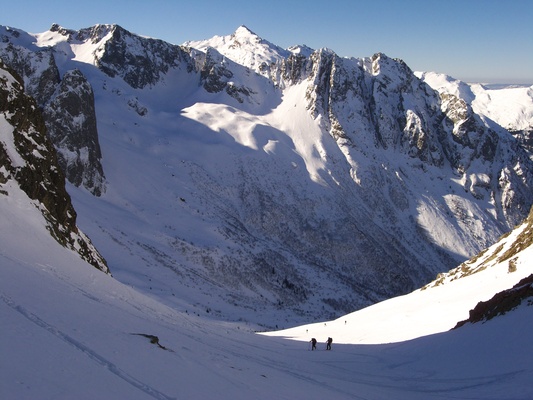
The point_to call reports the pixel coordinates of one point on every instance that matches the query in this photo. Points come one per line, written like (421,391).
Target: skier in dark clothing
(328,343)
(313,344)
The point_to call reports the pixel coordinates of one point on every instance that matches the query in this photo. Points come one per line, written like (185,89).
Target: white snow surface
(71,331)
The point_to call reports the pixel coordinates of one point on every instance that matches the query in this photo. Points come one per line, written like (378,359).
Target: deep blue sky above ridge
(474,40)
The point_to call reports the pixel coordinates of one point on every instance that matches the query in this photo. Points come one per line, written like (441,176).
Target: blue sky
(473,40)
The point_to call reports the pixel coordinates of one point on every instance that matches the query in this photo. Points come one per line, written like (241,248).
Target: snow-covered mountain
(71,331)
(245,48)
(229,174)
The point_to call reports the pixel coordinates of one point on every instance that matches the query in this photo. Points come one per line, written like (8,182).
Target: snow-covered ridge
(302,50)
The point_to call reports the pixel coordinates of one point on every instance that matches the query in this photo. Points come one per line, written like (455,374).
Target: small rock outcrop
(502,302)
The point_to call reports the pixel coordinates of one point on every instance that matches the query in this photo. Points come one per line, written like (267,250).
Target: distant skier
(328,343)
(313,344)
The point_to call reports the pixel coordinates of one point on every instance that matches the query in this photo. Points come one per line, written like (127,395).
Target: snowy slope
(510,107)
(71,331)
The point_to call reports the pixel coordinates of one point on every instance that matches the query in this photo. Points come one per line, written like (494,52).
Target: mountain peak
(243,30)
(303,50)
(244,47)
(243,36)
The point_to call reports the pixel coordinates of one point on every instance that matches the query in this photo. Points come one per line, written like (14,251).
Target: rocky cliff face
(139,61)
(487,131)
(378,102)
(70,117)
(502,303)
(28,157)
(68,105)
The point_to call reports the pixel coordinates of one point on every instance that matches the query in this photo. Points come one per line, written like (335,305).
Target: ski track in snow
(93,355)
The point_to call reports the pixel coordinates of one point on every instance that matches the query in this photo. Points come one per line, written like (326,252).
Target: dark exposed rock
(153,339)
(214,74)
(34,167)
(71,120)
(293,69)
(139,61)
(69,112)
(502,302)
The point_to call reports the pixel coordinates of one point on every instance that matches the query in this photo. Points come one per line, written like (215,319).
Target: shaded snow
(73,332)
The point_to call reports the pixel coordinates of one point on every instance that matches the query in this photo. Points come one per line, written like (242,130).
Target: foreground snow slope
(70,331)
